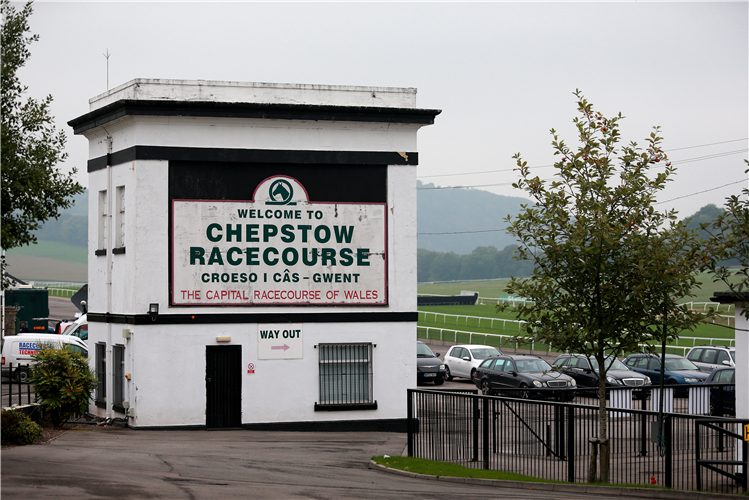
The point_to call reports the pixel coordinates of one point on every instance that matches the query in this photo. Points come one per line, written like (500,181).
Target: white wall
(167,362)
(742,363)
(168,373)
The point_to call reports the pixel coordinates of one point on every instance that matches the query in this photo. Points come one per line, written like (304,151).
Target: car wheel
(473,373)
(713,411)
(22,375)
(448,375)
(439,381)
(524,394)
(485,389)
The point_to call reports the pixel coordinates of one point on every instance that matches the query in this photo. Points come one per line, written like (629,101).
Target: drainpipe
(3,290)
(110,246)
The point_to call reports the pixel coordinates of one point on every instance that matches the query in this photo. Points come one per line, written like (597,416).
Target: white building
(740,300)
(253,253)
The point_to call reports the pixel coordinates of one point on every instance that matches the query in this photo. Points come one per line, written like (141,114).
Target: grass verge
(432,468)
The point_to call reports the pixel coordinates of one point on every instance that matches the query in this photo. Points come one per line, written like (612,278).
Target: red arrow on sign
(277,347)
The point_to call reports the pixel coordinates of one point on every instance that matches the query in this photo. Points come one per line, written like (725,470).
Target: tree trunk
(603,429)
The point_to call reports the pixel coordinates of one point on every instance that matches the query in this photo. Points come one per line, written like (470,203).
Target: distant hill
(71,227)
(61,251)
(458,210)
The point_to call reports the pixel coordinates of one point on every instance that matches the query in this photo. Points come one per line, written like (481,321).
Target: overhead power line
(687,160)
(465,232)
(700,192)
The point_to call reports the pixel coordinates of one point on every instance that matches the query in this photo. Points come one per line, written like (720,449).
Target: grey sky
(503,73)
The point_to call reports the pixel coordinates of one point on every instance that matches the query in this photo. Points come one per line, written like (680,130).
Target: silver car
(462,360)
(709,357)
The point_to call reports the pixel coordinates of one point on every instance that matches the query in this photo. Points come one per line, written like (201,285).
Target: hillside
(458,210)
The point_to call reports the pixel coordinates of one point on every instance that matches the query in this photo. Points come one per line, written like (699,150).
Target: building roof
(730,297)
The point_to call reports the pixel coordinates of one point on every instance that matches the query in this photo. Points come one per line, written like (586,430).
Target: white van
(79,328)
(17,349)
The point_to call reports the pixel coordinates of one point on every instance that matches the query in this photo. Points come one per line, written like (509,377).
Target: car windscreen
(484,352)
(733,355)
(532,365)
(423,351)
(611,364)
(679,364)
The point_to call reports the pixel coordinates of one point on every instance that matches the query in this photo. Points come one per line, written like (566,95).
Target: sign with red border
(278,249)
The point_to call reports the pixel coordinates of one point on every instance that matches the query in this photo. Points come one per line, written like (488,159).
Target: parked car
(722,397)
(68,326)
(585,372)
(78,329)
(462,360)
(429,367)
(18,349)
(709,357)
(503,373)
(678,370)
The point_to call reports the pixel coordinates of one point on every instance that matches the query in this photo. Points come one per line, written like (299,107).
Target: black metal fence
(16,392)
(554,440)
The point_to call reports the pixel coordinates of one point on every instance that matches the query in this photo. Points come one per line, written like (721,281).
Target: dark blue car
(723,391)
(678,370)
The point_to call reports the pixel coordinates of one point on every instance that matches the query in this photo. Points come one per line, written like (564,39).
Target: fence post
(744,472)
(485,439)
(410,423)
(644,427)
(19,385)
(571,444)
(698,454)
(475,457)
(667,424)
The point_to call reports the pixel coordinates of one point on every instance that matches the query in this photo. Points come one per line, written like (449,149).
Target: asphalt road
(96,463)
(104,462)
(61,308)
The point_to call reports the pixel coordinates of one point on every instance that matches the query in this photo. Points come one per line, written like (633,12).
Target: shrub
(63,381)
(17,428)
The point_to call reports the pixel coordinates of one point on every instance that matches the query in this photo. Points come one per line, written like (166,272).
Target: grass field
(49,261)
(496,288)
(477,320)
(53,250)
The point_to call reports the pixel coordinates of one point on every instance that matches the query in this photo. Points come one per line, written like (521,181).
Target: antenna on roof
(107,56)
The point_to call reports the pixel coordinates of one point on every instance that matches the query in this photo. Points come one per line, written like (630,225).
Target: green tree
(424,260)
(729,240)
(479,264)
(33,187)
(445,267)
(608,267)
(63,381)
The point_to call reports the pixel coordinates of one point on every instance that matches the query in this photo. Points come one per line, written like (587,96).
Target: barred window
(119,213)
(345,377)
(101,237)
(118,377)
(100,393)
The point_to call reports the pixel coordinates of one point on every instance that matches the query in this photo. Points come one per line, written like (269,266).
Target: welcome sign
(279,249)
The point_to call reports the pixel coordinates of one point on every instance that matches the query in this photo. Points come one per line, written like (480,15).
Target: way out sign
(279,341)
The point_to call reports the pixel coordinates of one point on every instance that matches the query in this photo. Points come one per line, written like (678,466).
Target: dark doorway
(223,384)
